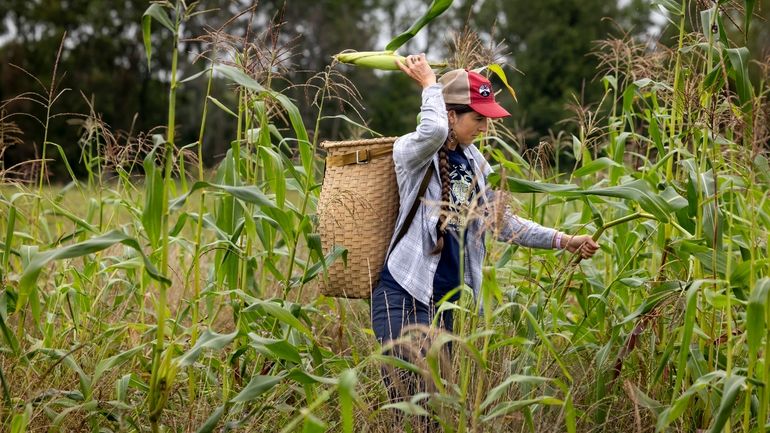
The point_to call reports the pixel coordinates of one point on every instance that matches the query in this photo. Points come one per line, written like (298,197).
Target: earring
(452,137)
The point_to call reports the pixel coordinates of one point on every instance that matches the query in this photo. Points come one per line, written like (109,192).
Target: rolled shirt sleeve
(511,228)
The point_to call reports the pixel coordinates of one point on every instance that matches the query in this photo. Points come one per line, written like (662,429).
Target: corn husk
(382,60)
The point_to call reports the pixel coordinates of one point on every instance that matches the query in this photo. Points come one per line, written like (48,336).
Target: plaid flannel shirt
(411,263)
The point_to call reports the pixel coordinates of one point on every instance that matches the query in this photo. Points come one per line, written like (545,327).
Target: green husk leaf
(436,8)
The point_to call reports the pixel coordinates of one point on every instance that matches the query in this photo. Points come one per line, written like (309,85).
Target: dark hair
(459,108)
(443,168)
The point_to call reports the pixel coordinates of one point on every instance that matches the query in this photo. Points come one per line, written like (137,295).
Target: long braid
(443,165)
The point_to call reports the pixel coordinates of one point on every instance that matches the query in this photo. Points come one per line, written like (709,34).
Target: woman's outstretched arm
(511,228)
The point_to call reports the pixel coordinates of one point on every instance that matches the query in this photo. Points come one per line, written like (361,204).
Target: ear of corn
(383,60)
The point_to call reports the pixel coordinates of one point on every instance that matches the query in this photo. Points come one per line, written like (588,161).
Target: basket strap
(413,210)
(362,156)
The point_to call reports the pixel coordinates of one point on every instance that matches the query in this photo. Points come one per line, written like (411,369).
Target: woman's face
(468,126)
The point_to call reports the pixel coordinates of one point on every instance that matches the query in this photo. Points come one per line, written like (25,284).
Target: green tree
(550,43)
(102,60)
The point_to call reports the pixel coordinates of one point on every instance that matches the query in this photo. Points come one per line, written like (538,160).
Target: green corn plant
(667,322)
(157,213)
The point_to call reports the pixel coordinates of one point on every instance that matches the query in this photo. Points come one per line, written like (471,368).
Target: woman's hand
(583,244)
(417,67)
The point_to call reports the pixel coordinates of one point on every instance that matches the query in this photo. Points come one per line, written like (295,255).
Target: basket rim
(364,142)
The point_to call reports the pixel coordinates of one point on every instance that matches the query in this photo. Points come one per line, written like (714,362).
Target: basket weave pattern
(357,210)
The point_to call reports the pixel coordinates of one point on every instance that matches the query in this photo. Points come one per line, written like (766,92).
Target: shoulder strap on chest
(415,205)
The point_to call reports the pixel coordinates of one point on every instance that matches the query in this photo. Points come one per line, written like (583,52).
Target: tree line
(103,77)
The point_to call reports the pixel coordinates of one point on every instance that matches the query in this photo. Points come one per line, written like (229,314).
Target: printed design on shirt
(462,190)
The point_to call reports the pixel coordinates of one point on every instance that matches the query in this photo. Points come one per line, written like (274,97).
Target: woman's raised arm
(414,150)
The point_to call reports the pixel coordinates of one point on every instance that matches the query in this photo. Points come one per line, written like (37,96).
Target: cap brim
(493,110)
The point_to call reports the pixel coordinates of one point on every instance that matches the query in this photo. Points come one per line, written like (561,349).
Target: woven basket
(357,210)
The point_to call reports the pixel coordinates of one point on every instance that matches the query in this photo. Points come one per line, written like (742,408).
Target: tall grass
(189,302)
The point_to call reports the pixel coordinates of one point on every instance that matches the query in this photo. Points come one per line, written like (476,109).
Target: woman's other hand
(583,244)
(417,67)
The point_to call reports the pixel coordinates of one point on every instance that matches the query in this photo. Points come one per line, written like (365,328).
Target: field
(188,299)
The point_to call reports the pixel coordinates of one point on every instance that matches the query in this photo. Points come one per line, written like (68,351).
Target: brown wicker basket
(357,210)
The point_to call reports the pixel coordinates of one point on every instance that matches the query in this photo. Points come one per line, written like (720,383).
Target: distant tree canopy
(550,42)
(103,61)
(102,58)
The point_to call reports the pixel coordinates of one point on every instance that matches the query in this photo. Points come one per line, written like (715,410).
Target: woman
(424,264)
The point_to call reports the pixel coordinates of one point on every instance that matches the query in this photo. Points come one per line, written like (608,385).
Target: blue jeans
(393,308)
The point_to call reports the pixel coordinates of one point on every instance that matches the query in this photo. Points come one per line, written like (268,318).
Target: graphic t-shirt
(462,191)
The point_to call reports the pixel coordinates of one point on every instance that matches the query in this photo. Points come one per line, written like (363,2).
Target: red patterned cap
(462,86)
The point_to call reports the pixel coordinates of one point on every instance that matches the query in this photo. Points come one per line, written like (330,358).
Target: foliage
(189,301)
(550,42)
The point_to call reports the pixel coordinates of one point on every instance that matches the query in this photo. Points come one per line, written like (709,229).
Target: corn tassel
(383,60)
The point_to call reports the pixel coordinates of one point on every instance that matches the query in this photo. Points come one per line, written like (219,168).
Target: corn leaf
(281,313)
(274,348)
(273,163)
(9,231)
(306,378)
(313,425)
(239,77)
(152,214)
(194,76)
(67,359)
(732,385)
(248,194)
(209,340)
(8,335)
(258,385)
(659,294)
(598,164)
(687,330)
(673,412)
(295,117)
(297,124)
(739,60)
(211,421)
(222,106)
(708,17)
(20,421)
(347,390)
(755,316)
(547,342)
(496,392)
(406,407)
(673,8)
(86,407)
(638,191)
(511,406)
(113,361)
(40,259)
(570,415)
(498,70)
(748,6)
(154,11)
(436,8)
(315,269)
